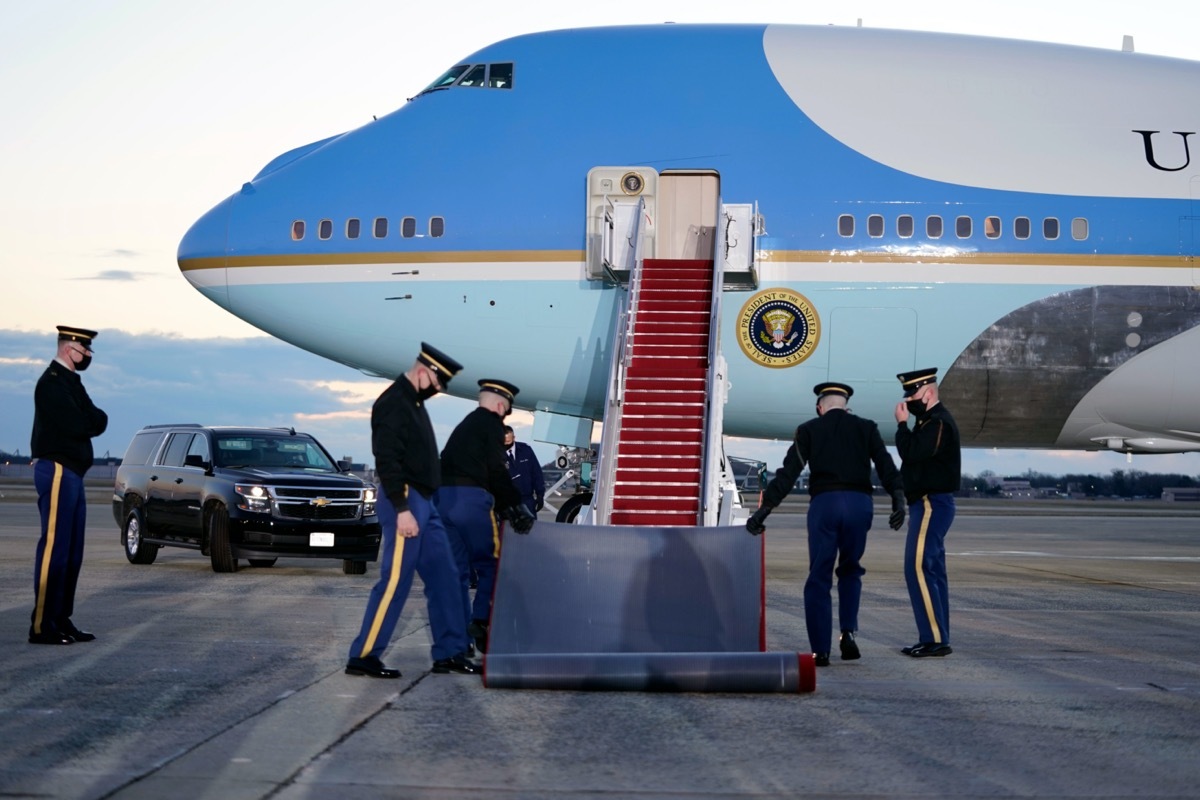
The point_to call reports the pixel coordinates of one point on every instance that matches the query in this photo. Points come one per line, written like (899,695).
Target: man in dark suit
(525,471)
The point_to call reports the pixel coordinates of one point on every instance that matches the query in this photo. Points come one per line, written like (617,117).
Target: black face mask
(428,392)
(84,361)
(916,407)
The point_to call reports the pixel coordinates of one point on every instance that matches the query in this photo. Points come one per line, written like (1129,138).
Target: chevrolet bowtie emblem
(319,501)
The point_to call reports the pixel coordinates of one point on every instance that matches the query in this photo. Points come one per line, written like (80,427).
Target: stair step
(677,263)
(629,491)
(657,520)
(682,349)
(655,477)
(658,449)
(645,373)
(656,504)
(666,304)
(662,422)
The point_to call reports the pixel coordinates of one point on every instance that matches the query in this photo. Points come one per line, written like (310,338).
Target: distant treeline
(1120,483)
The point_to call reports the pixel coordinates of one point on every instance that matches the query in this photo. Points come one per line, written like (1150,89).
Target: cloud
(117,275)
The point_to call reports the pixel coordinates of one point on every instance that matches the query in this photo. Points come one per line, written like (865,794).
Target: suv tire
(220,550)
(137,549)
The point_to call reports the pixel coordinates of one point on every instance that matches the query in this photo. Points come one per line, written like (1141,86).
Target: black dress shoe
(478,631)
(458,664)
(821,659)
(849,646)
(370,666)
(929,650)
(80,636)
(50,637)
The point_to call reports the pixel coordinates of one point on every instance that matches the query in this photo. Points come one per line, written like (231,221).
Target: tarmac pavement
(1076,673)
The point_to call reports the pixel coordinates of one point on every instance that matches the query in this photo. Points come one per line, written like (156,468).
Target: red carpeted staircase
(658,465)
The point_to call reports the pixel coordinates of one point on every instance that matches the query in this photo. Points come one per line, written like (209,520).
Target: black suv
(253,493)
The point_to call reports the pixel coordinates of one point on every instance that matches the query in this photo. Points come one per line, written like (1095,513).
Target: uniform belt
(460,480)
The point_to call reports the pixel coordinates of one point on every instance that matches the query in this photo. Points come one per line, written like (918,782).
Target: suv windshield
(273,452)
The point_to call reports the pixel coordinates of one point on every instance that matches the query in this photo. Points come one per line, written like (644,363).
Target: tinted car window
(199,447)
(177,448)
(141,448)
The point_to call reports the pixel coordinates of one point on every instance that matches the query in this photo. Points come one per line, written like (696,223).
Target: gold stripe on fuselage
(763,257)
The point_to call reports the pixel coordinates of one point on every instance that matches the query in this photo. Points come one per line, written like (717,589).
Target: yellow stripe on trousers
(495,534)
(44,571)
(386,602)
(920,569)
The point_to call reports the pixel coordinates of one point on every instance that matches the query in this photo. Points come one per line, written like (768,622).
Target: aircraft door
(687,214)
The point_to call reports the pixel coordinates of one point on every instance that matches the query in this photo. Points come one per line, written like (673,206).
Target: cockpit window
(451,75)
(491,76)
(500,76)
(475,77)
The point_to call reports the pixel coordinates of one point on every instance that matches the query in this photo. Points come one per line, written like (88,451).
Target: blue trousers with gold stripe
(59,555)
(427,554)
(475,539)
(837,532)
(925,565)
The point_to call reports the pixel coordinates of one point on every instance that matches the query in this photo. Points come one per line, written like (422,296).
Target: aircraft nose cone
(201,255)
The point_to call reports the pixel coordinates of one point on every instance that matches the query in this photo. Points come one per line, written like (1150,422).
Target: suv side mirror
(195,460)
(344,466)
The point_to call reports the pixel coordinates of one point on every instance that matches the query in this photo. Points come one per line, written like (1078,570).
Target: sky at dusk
(125,120)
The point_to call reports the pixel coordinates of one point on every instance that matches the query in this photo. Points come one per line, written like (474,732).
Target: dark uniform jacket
(840,448)
(930,454)
(403,443)
(64,420)
(526,474)
(474,456)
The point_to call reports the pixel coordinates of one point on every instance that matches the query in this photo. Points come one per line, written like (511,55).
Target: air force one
(603,216)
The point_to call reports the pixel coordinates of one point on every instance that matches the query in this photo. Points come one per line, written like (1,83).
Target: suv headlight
(368,502)
(255,497)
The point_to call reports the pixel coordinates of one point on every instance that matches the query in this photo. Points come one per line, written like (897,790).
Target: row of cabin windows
(964,227)
(379,228)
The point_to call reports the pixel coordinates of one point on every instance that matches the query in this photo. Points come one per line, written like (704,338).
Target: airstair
(662,460)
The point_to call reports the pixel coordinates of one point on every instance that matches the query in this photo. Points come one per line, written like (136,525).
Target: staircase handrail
(619,357)
(712,451)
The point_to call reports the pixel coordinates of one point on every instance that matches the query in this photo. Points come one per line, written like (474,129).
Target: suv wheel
(219,548)
(137,550)
(350,567)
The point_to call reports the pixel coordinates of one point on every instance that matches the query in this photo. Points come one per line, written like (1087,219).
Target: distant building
(1181,494)
(1017,488)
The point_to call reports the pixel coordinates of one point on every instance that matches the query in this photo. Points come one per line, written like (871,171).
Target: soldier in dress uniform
(65,420)
(840,448)
(931,463)
(414,539)
(475,481)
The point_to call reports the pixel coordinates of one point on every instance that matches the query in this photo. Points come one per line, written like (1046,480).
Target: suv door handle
(179,480)
(153,477)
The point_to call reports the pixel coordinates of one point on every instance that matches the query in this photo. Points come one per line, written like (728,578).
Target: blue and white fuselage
(1023,216)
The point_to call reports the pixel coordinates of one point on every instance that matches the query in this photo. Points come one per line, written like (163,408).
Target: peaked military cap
(445,366)
(502,388)
(822,389)
(69,333)
(911,381)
